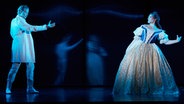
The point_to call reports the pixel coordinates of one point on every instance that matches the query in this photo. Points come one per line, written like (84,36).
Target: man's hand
(50,25)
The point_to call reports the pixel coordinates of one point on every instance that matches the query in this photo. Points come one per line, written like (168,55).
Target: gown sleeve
(137,33)
(137,39)
(163,37)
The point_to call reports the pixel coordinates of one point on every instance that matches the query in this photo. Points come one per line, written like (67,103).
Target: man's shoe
(8,91)
(32,91)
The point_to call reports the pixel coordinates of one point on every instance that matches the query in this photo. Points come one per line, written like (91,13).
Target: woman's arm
(169,42)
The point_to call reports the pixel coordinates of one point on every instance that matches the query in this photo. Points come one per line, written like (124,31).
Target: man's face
(24,13)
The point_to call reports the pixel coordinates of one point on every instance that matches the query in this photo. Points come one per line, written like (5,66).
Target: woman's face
(151,19)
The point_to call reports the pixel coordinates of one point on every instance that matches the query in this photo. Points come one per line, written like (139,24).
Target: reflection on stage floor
(81,94)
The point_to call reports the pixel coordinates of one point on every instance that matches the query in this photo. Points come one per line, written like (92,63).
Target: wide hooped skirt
(144,70)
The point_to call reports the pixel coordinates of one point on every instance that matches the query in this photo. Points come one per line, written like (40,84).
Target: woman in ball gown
(144,69)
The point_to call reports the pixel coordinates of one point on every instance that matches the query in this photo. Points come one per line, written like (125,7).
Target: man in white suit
(23,47)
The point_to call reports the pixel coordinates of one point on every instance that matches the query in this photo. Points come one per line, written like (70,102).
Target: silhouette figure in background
(62,49)
(144,68)
(23,47)
(95,61)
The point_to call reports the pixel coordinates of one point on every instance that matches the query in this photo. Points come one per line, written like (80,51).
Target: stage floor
(81,94)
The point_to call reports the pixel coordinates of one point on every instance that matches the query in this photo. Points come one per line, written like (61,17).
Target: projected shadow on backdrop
(62,51)
(96,52)
(95,65)
(67,23)
(64,16)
